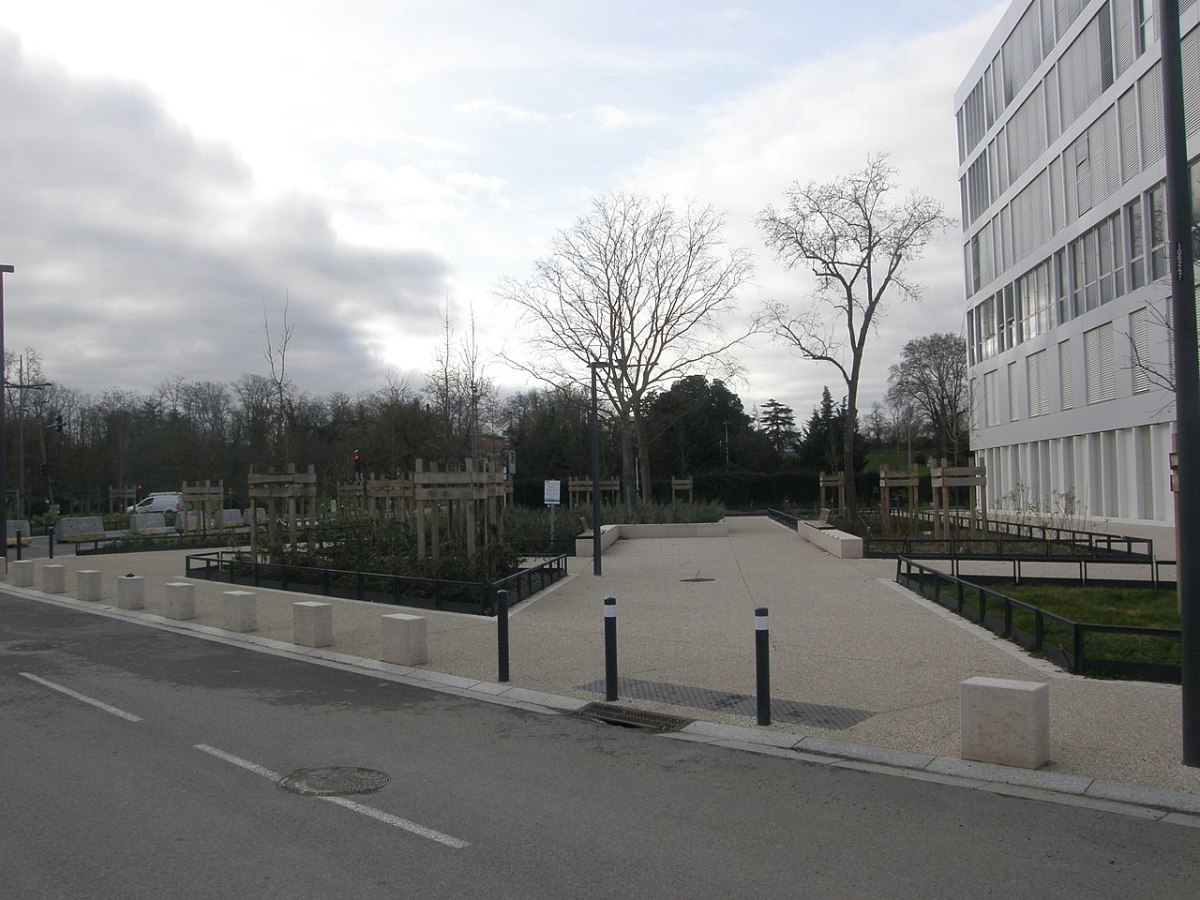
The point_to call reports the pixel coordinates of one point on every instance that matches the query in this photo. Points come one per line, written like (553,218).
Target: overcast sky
(169,173)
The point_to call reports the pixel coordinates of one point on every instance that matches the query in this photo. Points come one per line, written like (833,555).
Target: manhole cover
(33,646)
(695,580)
(334,781)
(632,718)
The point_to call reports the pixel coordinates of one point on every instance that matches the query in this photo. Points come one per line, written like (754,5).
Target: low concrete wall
(79,528)
(675,530)
(147,523)
(610,534)
(834,542)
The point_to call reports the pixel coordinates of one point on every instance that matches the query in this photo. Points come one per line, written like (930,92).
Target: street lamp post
(3,434)
(1187,374)
(594,365)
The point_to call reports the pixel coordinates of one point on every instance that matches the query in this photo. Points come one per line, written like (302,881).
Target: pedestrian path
(856,661)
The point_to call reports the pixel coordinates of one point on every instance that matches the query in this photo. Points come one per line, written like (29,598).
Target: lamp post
(1187,374)
(3,434)
(594,365)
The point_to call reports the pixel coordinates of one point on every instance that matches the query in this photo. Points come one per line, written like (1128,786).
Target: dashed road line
(362,809)
(83,698)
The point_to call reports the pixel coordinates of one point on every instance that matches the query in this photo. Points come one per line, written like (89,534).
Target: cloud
(142,251)
(613,118)
(490,110)
(804,125)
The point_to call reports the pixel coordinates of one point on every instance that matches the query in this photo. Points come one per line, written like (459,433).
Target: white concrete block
(181,600)
(312,623)
(54,580)
(1005,721)
(3,568)
(22,572)
(239,611)
(88,585)
(405,640)
(131,592)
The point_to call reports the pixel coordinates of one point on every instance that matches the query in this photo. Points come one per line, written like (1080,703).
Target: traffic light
(58,423)
(357,461)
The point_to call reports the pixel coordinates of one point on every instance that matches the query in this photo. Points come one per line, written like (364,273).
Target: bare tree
(459,389)
(932,378)
(640,289)
(857,245)
(282,388)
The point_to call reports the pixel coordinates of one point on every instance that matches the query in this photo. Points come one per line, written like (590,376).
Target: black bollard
(762,658)
(502,634)
(18,545)
(610,648)
(50,540)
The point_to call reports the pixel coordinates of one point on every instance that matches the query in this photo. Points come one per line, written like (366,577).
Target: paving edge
(1173,807)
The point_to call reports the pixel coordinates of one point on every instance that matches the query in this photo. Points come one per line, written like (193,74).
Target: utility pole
(22,387)
(1187,373)
(4,269)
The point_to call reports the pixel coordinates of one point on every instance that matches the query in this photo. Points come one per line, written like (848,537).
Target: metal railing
(1059,639)
(235,567)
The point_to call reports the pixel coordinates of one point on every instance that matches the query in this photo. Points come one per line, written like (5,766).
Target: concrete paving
(842,634)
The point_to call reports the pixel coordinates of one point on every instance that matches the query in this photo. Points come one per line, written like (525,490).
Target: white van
(166,501)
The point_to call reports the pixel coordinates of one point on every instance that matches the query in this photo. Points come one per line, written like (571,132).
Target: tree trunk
(627,468)
(848,429)
(643,460)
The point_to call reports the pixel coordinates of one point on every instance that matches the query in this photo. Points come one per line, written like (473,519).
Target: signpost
(553,495)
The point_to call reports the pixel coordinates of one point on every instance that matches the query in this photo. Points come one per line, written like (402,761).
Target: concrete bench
(312,623)
(239,611)
(1005,721)
(834,542)
(131,592)
(88,585)
(405,640)
(21,572)
(54,580)
(180,600)
(147,523)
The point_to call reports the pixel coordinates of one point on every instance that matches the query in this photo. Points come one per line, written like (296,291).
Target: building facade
(1061,169)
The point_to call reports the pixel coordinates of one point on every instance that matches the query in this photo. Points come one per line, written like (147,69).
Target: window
(1066,384)
(1098,363)
(1036,385)
(1013,410)
(1062,285)
(1035,301)
(1136,244)
(1139,351)
(991,403)
(1158,233)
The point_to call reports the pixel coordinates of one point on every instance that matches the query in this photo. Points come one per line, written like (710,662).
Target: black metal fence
(1109,650)
(234,567)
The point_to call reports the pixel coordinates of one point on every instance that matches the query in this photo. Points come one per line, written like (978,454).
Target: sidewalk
(871,664)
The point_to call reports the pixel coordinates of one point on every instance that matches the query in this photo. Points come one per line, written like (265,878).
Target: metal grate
(334,781)
(611,714)
(790,712)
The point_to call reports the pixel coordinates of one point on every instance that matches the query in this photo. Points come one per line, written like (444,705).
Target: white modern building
(1064,242)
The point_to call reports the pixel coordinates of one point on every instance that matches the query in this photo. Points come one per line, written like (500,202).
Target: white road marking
(368,811)
(81,697)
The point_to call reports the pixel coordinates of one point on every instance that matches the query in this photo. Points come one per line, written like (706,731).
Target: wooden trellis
(202,498)
(579,491)
(121,498)
(469,502)
(681,487)
(944,478)
(834,483)
(289,496)
(895,481)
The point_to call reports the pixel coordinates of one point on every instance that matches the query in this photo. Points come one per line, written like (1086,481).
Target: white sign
(553,493)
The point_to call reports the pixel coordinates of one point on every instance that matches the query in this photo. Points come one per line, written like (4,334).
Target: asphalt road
(170,789)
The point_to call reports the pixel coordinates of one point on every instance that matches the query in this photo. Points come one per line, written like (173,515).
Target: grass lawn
(1092,605)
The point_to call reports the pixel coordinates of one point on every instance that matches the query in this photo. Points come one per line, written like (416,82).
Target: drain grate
(610,714)
(334,781)
(789,712)
(33,646)
(695,580)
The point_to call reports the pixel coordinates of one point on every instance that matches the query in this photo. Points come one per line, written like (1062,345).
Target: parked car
(164,501)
